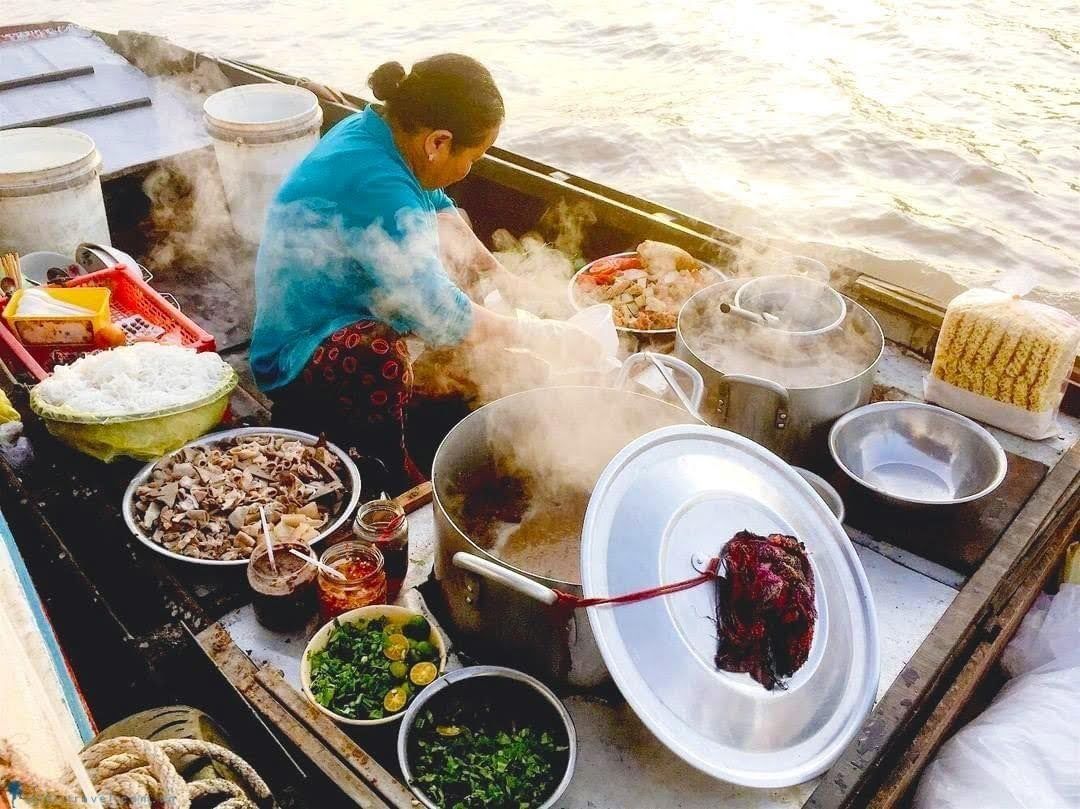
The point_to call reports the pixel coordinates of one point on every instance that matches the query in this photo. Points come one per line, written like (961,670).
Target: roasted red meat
(765,607)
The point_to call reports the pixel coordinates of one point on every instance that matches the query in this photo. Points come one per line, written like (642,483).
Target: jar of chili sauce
(364,581)
(383,524)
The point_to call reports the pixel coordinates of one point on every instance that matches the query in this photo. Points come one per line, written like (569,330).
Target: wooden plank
(331,766)
(45,78)
(943,719)
(913,695)
(915,306)
(79,115)
(632,220)
(241,672)
(333,737)
(415,498)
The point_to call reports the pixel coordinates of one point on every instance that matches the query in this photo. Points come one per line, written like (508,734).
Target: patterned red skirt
(356,389)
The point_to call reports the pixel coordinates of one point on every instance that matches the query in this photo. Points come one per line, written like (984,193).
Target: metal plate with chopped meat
(645,296)
(664,506)
(200,503)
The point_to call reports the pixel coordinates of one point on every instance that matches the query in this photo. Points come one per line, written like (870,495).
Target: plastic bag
(1024,750)
(1004,361)
(7,412)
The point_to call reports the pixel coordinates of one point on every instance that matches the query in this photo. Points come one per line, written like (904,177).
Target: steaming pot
(508,608)
(793,422)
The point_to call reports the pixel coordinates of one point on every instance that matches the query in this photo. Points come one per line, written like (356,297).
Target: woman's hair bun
(385,79)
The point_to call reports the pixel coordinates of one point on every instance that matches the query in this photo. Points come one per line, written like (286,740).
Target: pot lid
(665,505)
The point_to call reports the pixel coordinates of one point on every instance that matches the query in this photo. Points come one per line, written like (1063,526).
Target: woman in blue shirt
(350,260)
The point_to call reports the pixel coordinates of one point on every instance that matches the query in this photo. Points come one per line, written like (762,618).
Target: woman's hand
(544,297)
(468,262)
(564,346)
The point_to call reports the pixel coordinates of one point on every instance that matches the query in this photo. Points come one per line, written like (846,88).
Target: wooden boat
(142,632)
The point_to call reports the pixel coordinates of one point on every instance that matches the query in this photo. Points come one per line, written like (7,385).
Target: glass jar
(283,594)
(365,579)
(383,524)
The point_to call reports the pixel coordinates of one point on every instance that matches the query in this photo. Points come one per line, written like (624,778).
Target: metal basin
(804,306)
(515,693)
(917,454)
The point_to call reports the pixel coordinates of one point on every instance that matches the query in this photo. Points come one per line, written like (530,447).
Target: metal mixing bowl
(911,453)
(806,307)
(514,692)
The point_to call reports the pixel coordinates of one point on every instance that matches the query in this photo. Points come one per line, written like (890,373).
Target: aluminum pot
(512,609)
(793,422)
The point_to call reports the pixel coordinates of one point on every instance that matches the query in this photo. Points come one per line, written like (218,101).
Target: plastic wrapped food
(1004,361)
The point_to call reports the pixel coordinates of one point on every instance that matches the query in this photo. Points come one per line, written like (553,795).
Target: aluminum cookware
(800,305)
(826,492)
(915,454)
(661,509)
(792,421)
(515,693)
(507,607)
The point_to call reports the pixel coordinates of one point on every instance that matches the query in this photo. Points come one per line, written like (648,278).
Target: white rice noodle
(135,379)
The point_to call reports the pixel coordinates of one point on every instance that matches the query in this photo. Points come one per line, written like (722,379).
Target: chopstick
(266,538)
(329,571)
(9,268)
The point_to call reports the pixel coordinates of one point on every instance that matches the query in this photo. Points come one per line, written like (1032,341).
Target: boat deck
(77,501)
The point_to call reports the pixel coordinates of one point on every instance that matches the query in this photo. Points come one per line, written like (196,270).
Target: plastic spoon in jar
(268,540)
(761,318)
(329,571)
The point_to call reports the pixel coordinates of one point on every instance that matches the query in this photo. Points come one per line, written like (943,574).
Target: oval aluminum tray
(581,303)
(351,478)
(663,506)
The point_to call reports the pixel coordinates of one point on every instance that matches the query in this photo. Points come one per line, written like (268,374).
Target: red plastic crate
(131,295)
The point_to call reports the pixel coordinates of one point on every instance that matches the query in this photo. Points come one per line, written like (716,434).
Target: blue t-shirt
(351,235)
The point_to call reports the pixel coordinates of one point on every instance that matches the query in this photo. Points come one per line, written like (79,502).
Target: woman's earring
(431,158)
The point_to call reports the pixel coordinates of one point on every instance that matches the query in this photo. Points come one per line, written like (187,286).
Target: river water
(925,142)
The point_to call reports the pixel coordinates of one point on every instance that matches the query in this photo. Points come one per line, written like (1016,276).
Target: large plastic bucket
(260,132)
(50,191)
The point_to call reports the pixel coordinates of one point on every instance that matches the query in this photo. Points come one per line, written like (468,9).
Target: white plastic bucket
(260,132)
(50,191)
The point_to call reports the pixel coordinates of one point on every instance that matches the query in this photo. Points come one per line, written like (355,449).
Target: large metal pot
(793,422)
(510,608)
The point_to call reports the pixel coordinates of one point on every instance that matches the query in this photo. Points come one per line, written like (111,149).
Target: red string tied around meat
(570,602)
(765,612)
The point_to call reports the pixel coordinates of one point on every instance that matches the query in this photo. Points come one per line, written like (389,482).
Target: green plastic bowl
(144,436)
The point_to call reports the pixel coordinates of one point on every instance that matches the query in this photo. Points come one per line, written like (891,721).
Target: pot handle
(691,401)
(783,404)
(504,576)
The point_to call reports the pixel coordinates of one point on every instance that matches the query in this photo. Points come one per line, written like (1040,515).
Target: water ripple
(899,137)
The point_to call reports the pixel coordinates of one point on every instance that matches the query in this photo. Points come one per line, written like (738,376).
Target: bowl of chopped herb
(367,665)
(487,736)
